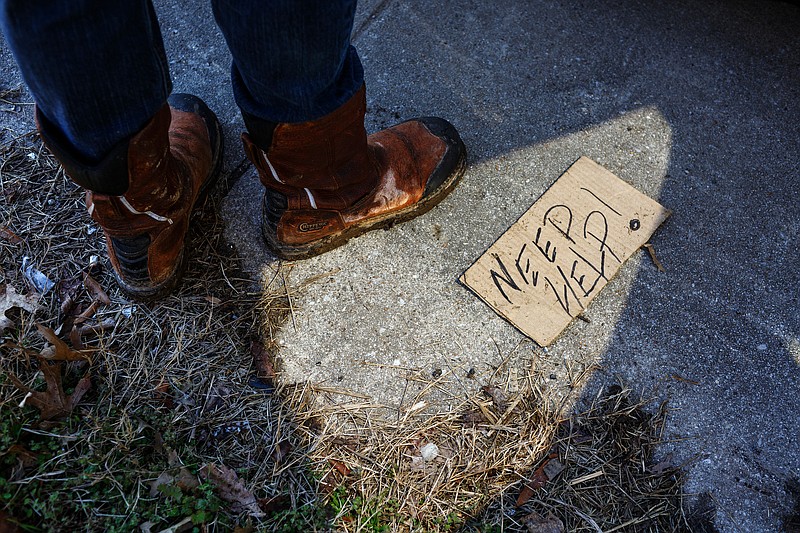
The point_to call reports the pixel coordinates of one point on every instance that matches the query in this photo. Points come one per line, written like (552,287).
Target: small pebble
(761,347)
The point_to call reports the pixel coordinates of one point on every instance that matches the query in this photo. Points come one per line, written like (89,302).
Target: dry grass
(421,471)
(177,372)
(176,379)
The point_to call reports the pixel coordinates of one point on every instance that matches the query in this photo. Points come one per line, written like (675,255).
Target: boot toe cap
(454,155)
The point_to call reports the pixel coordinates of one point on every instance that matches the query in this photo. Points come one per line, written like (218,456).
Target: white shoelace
(133,210)
(275,175)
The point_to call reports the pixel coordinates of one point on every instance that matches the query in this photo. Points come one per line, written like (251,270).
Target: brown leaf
(87,313)
(9,235)
(186,481)
(9,298)
(665,464)
(26,457)
(276,504)
(652,251)
(472,418)
(231,489)
(53,402)
(499,397)
(538,524)
(95,328)
(163,479)
(173,459)
(340,466)
(60,351)
(525,494)
(335,476)
(263,362)
(163,395)
(282,449)
(75,338)
(67,292)
(95,289)
(538,480)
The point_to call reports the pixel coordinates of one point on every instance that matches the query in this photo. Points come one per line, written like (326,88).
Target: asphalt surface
(693,103)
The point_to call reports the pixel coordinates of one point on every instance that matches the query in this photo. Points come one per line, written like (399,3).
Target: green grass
(83,474)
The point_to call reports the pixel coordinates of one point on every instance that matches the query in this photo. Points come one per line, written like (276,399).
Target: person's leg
(292,60)
(97,69)
(99,77)
(299,84)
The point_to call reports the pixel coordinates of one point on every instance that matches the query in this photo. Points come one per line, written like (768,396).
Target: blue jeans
(98,71)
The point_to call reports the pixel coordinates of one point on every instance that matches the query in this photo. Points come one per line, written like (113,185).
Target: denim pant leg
(96,68)
(292,60)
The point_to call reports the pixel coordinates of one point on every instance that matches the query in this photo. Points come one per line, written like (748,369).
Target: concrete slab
(696,104)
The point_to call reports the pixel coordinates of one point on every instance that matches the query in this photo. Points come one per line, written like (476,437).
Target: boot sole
(295,253)
(146,294)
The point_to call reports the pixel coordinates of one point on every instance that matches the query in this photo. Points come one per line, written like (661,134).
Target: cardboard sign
(547,267)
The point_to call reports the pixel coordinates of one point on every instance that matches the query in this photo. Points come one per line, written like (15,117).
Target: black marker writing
(505,278)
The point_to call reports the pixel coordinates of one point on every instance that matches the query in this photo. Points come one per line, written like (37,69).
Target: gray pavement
(694,103)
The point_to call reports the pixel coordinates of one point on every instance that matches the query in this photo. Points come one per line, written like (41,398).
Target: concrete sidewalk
(694,103)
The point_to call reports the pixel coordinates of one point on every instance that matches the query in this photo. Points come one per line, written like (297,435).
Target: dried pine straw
(381,460)
(610,481)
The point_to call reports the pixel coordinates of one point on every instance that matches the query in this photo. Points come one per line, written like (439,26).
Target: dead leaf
(59,351)
(538,480)
(67,292)
(499,397)
(538,524)
(472,418)
(87,313)
(659,467)
(75,338)
(282,449)
(95,289)
(9,299)
(89,330)
(335,476)
(678,377)
(186,481)
(231,489)
(24,455)
(263,362)
(340,467)
(163,479)
(163,395)
(276,504)
(53,402)
(9,235)
(652,252)
(173,459)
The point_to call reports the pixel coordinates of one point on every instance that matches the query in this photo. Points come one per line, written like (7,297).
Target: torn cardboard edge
(557,257)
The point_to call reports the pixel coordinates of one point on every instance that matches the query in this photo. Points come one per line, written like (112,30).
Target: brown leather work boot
(328,182)
(150,185)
